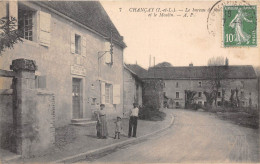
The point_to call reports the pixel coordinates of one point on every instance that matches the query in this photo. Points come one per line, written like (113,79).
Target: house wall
(248,86)
(55,63)
(131,93)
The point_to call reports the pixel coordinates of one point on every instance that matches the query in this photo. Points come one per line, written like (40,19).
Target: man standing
(133,120)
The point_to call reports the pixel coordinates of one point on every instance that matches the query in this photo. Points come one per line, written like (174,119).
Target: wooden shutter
(108,58)
(45,28)
(13,11)
(116,94)
(107,46)
(72,42)
(42,82)
(84,45)
(103,93)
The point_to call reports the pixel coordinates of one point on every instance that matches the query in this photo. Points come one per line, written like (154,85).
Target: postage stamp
(240,26)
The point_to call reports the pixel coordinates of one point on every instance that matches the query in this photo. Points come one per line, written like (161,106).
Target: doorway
(77,98)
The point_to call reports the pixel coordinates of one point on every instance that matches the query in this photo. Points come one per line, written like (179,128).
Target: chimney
(226,62)
(191,65)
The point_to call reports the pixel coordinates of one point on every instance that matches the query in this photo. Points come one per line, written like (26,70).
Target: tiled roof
(138,70)
(202,72)
(89,13)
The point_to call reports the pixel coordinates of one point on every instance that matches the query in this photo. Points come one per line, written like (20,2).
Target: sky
(180,39)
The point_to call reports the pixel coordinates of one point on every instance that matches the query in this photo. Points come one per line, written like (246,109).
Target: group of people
(101,126)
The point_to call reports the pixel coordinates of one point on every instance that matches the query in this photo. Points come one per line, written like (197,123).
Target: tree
(163,64)
(9,34)
(189,97)
(216,61)
(216,74)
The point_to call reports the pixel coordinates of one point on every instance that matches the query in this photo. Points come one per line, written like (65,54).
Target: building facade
(239,81)
(133,88)
(70,42)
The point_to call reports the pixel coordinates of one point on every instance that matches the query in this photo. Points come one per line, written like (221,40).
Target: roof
(138,70)
(89,13)
(202,72)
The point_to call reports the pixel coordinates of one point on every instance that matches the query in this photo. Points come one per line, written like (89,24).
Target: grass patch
(241,116)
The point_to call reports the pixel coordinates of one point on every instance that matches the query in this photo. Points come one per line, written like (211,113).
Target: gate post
(24,105)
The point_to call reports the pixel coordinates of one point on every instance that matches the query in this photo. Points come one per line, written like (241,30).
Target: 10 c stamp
(240,26)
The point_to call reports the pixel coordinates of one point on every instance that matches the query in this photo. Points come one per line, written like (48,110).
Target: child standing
(118,129)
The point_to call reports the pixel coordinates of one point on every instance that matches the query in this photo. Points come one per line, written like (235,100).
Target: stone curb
(82,156)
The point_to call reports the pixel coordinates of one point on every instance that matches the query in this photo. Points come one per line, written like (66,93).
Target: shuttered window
(45,28)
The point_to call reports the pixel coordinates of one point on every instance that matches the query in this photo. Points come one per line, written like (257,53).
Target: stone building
(178,81)
(133,86)
(70,43)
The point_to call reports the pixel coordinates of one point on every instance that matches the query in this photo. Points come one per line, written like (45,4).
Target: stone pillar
(24,105)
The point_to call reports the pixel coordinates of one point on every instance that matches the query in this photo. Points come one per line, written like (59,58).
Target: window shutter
(42,82)
(108,58)
(13,10)
(84,45)
(45,28)
(116,94)
(107,46)
(72,42)
(103,93)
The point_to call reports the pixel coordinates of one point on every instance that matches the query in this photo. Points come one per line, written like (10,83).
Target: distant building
(179,80)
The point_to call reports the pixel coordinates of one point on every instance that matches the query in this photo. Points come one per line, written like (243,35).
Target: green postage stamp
(240,26)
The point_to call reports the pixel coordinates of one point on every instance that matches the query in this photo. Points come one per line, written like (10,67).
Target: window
(77,44)
(199,94)
(177,94)
(177,84)
(219,94)
(200,84)
(25,23)
(177,104)
(108,93)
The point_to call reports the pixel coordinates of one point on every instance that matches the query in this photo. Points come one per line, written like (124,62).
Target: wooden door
(76,98)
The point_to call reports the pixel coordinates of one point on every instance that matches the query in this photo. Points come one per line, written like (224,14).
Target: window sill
(30,43)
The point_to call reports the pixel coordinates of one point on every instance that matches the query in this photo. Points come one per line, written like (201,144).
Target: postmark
(216,22)
(239,26)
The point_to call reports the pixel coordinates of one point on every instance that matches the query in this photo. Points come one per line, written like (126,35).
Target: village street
(194,137)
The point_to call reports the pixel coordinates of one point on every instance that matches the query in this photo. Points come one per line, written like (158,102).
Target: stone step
(85,123)
(78,120)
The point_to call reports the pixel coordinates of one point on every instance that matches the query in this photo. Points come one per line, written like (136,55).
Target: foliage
(164,64)
(9,34)
(153,93)
(189,98)
(151,114)
(210,96)
(216,61)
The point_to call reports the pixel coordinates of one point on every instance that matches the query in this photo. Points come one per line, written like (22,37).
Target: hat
(135,104)
(102,105)
(118,117)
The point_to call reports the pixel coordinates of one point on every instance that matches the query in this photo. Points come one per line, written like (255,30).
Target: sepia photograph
(130,81)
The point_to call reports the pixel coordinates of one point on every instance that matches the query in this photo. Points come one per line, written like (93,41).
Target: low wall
(6,118)
(45,117)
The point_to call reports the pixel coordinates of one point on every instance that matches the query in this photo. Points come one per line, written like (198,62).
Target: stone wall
(6,118)
(43,127)
(132,92)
